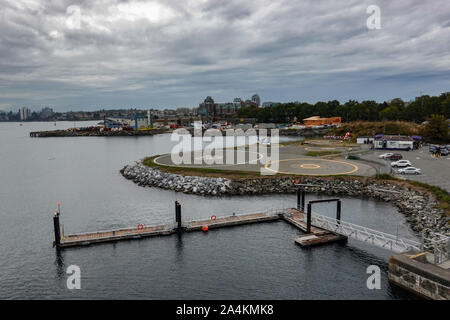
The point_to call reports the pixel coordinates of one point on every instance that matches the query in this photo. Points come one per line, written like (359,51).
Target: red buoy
(205,228)
(213,217)
(140,227)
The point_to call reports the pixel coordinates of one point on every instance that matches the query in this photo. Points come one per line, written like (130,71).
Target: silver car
(401,163)
(410,170)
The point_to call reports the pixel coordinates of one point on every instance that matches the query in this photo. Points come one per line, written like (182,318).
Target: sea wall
(421,208)
(424,279)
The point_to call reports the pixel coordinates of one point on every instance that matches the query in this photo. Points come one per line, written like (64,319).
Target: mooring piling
(301,199)
(178,215)
(308,219)
(338,211)
(56,228)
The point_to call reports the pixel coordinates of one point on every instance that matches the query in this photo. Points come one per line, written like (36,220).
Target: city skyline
(76,55)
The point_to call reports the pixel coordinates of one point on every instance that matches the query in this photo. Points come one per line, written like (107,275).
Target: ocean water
(248,262)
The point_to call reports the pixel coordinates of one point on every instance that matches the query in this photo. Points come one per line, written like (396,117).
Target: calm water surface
(247,262)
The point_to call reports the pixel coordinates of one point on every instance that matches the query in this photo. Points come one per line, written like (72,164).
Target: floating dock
(162,230)
(316,236)
(296,217)
(113,235)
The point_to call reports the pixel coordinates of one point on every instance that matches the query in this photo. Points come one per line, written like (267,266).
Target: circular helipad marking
(209,158)
(259,156)
(354,167)
(309,166)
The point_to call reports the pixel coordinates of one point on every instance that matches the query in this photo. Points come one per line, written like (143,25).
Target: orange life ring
(213,217)
(140,226)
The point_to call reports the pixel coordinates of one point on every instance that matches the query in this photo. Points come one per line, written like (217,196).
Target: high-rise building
(256,99)
(208,107)
(24,113)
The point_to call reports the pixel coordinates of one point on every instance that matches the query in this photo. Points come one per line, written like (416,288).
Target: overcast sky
(173,53)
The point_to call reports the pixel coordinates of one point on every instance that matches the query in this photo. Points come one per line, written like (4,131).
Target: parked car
(401,163)
(410,170)
(385,155)
(432,149)
(444,152)
(395,157)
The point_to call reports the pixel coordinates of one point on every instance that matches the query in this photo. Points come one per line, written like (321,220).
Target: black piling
(57,229)
(178,215)
(308,219)
(303,200)
(338,211)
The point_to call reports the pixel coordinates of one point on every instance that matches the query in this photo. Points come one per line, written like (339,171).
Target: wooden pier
(162,230)
(292,216)
(316,236)
(296,217)
(113,235)
(234,220)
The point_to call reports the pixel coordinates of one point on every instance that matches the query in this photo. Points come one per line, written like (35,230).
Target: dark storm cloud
(173,53)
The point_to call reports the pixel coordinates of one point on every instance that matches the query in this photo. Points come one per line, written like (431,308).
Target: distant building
(270,104)
(393,142)
(183,111)
(318,121)
(210,108)
(365,140)
(24,113)
(256,99)
(46,113)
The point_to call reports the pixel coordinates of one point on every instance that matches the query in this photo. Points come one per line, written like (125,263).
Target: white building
(394,143)
(365,140)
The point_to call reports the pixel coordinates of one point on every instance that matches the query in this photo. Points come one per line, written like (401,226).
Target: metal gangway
(364,234)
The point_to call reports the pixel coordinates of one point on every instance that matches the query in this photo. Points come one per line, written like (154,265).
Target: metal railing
(371,236)
(439,246)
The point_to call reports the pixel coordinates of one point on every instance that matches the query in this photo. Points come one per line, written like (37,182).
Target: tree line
(419,110)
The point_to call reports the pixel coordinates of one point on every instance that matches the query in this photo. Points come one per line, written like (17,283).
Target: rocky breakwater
(151,177)
(421,208)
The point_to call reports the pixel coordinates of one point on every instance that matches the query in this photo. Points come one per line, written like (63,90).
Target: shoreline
(420,207)
(96,133)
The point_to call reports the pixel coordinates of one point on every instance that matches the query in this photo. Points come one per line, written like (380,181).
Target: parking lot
(435,171)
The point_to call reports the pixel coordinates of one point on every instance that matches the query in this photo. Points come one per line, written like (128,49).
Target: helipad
(291,160)
(312,166)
